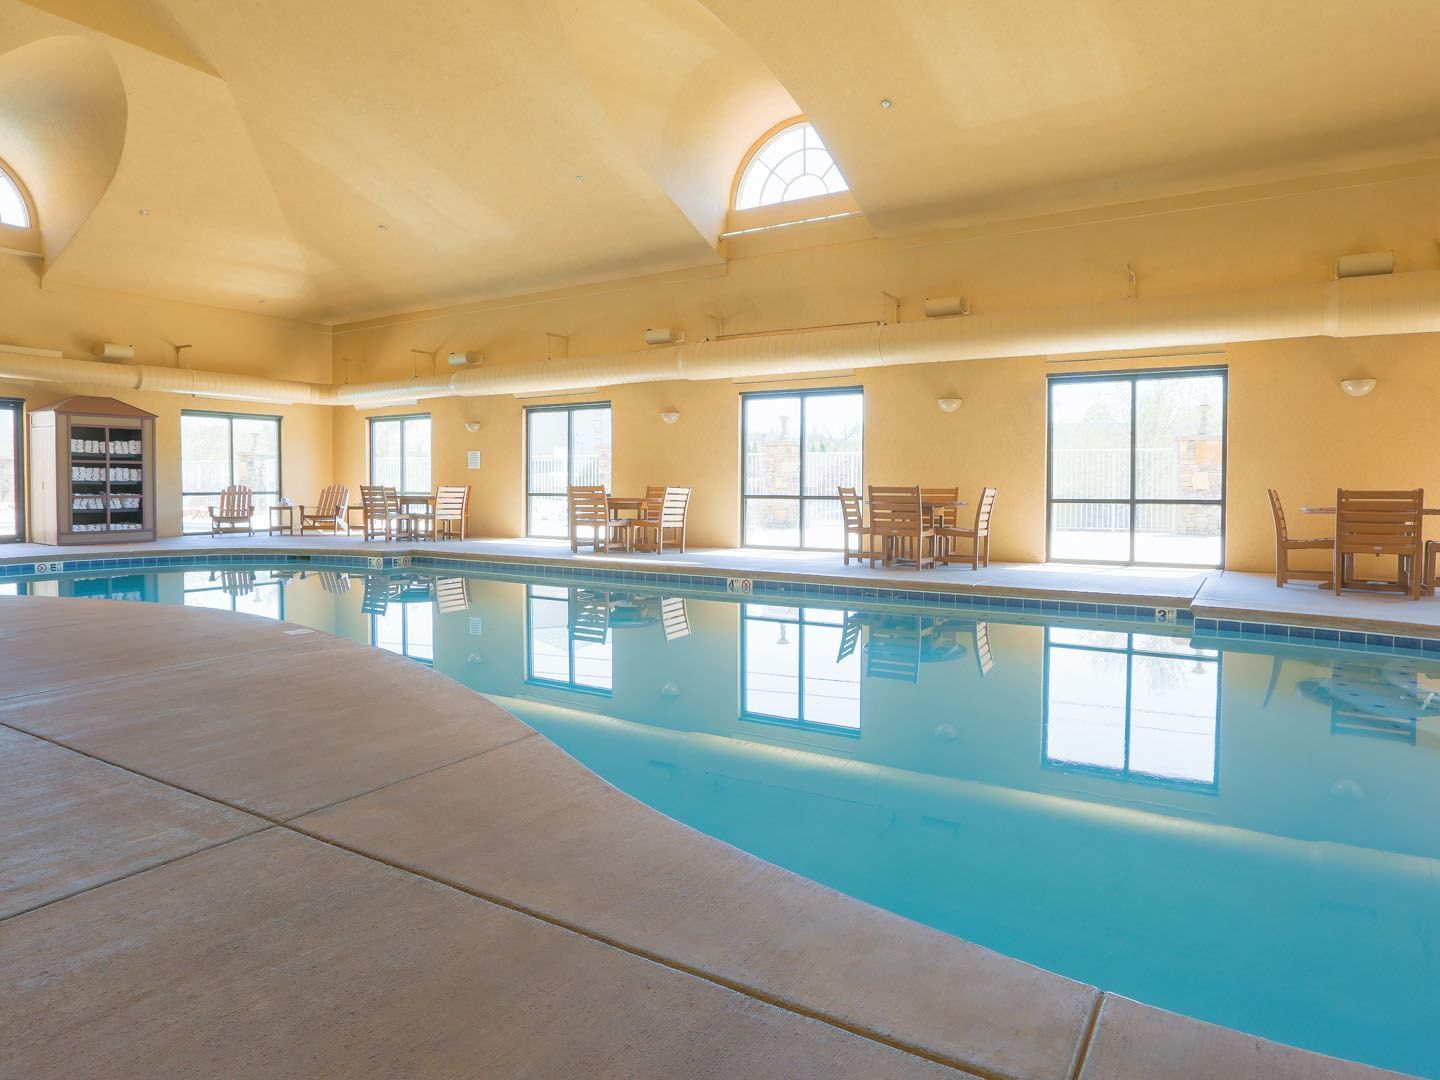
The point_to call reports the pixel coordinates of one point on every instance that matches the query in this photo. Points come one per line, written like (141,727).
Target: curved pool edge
(469,797)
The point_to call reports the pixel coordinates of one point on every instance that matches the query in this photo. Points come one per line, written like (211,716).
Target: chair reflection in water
(898,644)
(1376,701)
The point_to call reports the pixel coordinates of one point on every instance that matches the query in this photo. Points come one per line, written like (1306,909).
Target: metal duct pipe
(1353,307)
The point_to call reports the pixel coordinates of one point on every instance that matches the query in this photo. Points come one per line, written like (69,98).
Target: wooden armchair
(235,512)
(447,519)
(329,514)
(648,533)
(979,536)
(589,508)
(1380,523)
(1284,544)
(898,521)
(853,514)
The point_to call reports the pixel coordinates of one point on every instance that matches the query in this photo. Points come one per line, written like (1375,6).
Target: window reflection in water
(254,592)
(1142,706)
(796,668)
(567,638)
(406,628)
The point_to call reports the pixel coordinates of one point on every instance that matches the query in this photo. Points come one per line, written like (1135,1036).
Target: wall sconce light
(1357,387)
(472,426)
(670,416)
(949,404)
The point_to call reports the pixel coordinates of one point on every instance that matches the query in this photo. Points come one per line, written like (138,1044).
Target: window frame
(17,406)
(1132,503)
(401,419)
(31,220)
(405,606)
(570,411)
(230,418)
(1126,774)
(758,147)
(801,498)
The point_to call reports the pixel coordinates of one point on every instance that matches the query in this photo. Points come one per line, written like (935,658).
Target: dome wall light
(949,404)
(1357,387)
(472,426)
(670,416)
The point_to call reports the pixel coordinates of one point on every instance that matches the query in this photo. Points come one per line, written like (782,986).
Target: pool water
(1232,829)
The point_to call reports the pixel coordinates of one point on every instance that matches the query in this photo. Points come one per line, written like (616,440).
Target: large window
(800,449)
(12,475)
(567,639)
(1132,706)
(564,445)
(400,453)
(221,449)
(13,209)
(791,164)
(1137,468)
(795,668)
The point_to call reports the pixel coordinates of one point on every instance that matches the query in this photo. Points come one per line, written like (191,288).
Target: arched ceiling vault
(270,140)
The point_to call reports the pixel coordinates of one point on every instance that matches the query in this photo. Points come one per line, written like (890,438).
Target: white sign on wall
(472,459)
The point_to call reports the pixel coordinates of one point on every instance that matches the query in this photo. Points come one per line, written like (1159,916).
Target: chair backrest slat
(1379,522)
(851,508)
(896,510)
(236,501)
(674,507)
(984,510)
(333,501)
(1277,514)
(450,502)
(588,505)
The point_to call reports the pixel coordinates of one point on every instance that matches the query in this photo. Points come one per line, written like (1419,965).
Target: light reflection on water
(1243,834)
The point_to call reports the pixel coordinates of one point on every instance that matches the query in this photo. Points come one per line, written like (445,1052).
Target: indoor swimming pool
(1235,829)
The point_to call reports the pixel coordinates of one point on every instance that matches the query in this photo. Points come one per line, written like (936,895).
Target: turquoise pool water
(1233,829)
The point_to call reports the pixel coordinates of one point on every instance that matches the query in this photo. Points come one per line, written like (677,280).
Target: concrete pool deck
(236,846)
(1215,594)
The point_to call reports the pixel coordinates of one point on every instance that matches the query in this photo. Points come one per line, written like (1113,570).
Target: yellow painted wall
(1290,425)
(74,320)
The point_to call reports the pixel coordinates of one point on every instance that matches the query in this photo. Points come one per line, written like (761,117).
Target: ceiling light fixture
(885,103)
(579,179)
(144,212)
(383,228)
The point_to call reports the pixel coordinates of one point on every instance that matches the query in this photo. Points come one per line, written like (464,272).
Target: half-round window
(13,209)
(791,164)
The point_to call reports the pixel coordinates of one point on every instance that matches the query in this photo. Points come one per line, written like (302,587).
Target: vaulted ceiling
(509,148)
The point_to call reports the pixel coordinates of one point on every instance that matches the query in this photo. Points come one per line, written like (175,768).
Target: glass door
(564,445)
(1137,468)
(800,448)
(12,475)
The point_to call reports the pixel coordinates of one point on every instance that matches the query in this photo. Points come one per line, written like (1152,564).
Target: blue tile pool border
(1202,628)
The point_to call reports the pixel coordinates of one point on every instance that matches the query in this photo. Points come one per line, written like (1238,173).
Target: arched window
(791,164)
(13,209)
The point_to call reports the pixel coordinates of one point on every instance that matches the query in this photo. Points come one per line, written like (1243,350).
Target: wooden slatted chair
(854,517)
(897,520)
(979,536)
(376,511)
(329,515)
(983,658)
(588,508)
(236,511)
(333,582)
(1380,523)
(1284,544)
(649,533)
(654,500)
(448,517)
(945,517)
